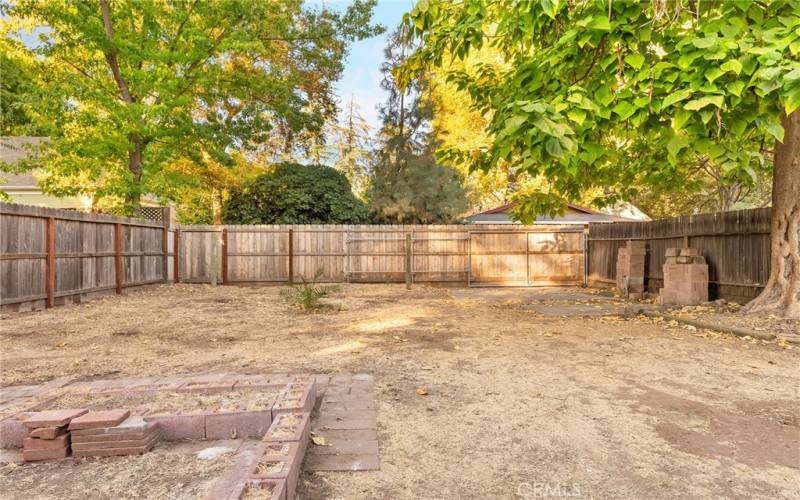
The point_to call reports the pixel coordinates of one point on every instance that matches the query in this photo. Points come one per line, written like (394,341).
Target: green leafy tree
(591,79)
(14,86)
(126,87)
(296,194)
(408,185)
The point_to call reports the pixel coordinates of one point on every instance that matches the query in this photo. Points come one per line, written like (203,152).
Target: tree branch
(111,53)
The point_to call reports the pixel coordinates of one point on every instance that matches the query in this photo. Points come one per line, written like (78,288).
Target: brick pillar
(630,268)
(685,277)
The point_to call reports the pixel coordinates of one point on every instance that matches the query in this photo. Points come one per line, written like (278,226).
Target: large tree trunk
(782,293)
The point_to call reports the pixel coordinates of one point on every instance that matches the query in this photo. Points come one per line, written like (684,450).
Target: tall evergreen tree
(408,184)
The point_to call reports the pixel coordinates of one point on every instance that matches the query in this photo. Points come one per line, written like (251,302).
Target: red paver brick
(126,436)
(46,444)
(345,447)
(34,455)
(102,445)
(177,427)
(48,432)
(245,424)
(95,419)
(133,424)
(342,462)
(349,420)
(120,451)
(53,418)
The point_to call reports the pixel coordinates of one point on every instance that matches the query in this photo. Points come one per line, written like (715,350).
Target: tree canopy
(124,88)
(291,193)
(589,81)
(631,94)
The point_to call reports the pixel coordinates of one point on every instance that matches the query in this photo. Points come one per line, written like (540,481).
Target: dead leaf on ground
(319,440)
(422,391)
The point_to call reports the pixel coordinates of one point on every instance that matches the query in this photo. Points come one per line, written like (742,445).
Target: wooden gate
(526,258)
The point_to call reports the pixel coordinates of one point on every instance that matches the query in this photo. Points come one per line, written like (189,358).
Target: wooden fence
(468,254)
(736,246)
(50,256)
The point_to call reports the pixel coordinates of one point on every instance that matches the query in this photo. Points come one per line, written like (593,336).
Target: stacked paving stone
(685,277)
(630,269)
(112,433)
(48,434)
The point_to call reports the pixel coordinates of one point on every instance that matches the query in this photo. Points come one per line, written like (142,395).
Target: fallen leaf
(319,440)
(422,391)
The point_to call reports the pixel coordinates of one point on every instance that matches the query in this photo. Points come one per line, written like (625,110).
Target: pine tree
(408,184)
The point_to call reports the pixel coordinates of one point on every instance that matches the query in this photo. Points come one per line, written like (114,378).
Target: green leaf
(515,122)
(680,119)
(775,130)
(675,145)
(704,43)
(600,23)
(736,88)
(577,115)
(791,99)
(732,65)
(635,60)
(697,104)
(624,109)
(676,97)
(550,7)
(713,73)
(553,147)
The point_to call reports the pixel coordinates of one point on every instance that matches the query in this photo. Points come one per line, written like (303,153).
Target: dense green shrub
(296,194)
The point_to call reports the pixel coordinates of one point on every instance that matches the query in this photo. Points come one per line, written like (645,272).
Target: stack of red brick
(48,435)
(630,269)
(685,277)
(112,433)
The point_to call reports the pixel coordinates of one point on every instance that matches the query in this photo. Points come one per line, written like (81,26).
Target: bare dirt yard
(524,400)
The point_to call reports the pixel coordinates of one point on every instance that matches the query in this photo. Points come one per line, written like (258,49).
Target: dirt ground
(520,404)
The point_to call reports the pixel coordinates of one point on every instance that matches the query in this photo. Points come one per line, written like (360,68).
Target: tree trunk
(135,167)
(782,293)
(216,206)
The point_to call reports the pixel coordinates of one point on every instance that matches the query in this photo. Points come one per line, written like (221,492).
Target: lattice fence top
(151,213)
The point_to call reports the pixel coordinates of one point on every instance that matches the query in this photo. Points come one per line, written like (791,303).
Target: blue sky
(362,76)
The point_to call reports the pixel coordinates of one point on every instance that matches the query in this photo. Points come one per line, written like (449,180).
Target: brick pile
(113,433)
(685,277)
(48,434)
(630,269)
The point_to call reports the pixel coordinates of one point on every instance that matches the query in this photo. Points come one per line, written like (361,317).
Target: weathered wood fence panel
(377,253)
(736,246)
(50,256)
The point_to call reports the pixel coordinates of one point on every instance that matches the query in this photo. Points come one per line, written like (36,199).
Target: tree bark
(782,293)
(133,197)
(216,206)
